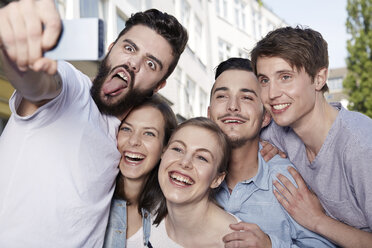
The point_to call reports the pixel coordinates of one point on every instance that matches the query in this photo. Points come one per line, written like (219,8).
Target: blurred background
(219,29)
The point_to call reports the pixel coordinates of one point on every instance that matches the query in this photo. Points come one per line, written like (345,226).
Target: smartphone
(81,39)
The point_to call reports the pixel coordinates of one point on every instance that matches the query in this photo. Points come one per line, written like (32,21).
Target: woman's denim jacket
(116,232)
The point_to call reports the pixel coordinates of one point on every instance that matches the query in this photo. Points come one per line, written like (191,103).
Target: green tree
(358,81)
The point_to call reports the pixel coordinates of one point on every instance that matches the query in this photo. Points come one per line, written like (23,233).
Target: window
(198,39)
(120,22)
(203,100)
(190,97)
(88,8)
(221,8)
(243,54)
(185,14)
(335,84)
(224,50)
(240,14)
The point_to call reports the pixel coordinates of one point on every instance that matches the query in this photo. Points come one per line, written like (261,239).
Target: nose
(134,63)
(274,90)
(135,140)
(186,161)
(233,105)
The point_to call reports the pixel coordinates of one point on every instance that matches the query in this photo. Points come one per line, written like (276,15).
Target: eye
(220,96)
(148,133)
(151,64)
(286,77)
(176,149)
(263,81)
(202,158)
(129,48)
(124,129)
(248,98)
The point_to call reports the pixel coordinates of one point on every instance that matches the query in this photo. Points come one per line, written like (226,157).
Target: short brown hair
(302,48)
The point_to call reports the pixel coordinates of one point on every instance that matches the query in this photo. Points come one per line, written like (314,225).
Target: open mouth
(180,179)
(134,157)
(280,106)
(118,82)
(233,121)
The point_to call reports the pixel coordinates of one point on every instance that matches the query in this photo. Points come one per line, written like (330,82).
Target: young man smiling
(58,155)
(247,191)
(330,146)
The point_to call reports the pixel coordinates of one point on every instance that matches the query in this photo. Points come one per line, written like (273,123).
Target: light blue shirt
(116,233)
(253,201)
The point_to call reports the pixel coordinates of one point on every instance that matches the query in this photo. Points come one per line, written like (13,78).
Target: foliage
(358,81)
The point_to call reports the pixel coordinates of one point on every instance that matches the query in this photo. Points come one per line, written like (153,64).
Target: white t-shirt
(136,240)
(160,238)
(58,169)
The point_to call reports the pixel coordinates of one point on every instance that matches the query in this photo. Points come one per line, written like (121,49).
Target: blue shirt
(116,232)
(253,201)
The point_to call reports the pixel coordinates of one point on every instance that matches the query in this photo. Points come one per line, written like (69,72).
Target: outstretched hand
(246,235)
(302,204)
(28,28)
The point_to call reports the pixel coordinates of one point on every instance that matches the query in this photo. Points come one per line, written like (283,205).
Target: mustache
(236,115)
(126,67)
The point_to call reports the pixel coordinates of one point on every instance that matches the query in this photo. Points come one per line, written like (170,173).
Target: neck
(314,127)
(243,164)
(132,190)
(121,117)
(184,222)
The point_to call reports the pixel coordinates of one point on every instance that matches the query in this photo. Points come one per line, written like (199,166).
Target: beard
(237,142)
(132,98)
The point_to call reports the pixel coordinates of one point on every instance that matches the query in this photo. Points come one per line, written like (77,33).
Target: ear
(321,78)
(266,119)
(110,46)
(160,86)
(218,180)
(209,112)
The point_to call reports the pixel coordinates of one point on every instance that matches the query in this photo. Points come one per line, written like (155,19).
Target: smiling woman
(141,138)
(193,165)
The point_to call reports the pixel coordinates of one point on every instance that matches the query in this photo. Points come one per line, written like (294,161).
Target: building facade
(218,29)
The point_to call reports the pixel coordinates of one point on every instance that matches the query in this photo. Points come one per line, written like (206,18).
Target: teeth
(122,76)
(134,156)
(232,121)
(280,106)
(181,179)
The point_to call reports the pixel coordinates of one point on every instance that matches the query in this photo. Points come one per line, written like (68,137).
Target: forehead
(273,64)
(236,80)
(197,137)
(146,116)
(149,42)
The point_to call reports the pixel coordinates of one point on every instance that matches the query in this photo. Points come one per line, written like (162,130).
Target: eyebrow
(277,72)
(127,123)
(199,149)
(245,90)
(147,54)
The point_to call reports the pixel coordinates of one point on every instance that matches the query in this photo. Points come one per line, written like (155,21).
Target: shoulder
(279,165)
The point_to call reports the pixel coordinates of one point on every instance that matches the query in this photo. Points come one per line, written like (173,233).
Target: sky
(325,16)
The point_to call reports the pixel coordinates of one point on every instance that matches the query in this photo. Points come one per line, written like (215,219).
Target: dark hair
(302,48)
(231,64)
(224,145)
(165,25)
(151,193)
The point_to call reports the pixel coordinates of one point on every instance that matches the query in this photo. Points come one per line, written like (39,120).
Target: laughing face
(140,142)
(133,69)
(236,106)
(188,169)
(288,94)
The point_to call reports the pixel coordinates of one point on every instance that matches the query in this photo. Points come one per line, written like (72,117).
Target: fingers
(22,36)
(268,151)
(297,177)
(52,23)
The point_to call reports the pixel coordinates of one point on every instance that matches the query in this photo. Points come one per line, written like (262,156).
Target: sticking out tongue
(114,85)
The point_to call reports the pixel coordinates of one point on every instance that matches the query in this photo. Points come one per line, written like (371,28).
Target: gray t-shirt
(341,173)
